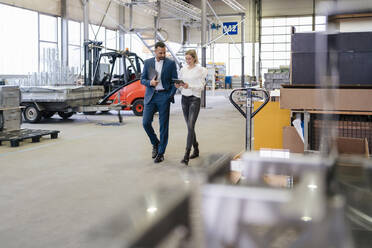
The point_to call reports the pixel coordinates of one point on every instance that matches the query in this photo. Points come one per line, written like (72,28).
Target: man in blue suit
(157,76)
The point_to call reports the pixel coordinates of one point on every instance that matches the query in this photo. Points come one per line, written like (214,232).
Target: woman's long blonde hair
(193,54)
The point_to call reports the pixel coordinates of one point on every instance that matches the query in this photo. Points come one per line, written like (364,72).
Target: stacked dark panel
(349,126)
(303,58)
(354,52)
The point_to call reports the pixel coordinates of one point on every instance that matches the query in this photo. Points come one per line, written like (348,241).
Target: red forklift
(123,89)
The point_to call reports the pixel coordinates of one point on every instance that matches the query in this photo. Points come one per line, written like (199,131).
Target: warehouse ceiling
(269,7)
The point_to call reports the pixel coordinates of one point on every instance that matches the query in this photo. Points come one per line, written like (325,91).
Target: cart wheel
(137,107)
(31,113)
(65,115)
(47,114)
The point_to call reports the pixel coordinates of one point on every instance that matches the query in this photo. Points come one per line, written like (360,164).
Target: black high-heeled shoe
(185,159)
(195,153)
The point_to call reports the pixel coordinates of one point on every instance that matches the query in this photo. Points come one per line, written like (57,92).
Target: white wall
(51,7)
(286,7)
(356,25)
(97,9)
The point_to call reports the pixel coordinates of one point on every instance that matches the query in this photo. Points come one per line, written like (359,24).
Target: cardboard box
(292,141)
(352,146)
(309,99)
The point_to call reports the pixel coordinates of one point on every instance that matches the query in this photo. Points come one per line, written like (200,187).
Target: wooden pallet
(19,135)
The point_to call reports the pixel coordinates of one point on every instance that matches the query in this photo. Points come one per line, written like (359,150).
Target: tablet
(178,81)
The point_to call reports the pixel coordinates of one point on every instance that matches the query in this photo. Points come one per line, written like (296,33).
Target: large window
(276,38)
(19,41)
(230,55)
(75,46)
(48,42)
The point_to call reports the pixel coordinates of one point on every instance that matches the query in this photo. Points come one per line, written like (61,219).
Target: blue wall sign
(230,27)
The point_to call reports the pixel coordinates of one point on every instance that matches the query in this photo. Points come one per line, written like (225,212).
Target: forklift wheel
(137,107)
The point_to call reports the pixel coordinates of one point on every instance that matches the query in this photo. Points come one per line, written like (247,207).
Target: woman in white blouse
(193,76)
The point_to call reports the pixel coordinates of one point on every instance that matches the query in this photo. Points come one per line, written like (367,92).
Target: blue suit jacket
(168,72)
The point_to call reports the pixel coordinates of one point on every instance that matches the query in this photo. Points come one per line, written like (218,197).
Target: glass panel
(248,65)
(280,55)
(267,47)
(267,55)
(307,20)
(320,20)
(127,42)
(288,47)
(267,30)
(221,53)
(235,51)
(247,49)
(267,22)
(111,39)
(235,67)
(320,27)
(48,54)
(288,30)
(280,47)
(74,58)
(292,21)
(18,56)
(267,39)
(279,21)
(280,30)
(278,63)
(288,55)
(288,38)
(267,63)
(74,33)
(279,38)
(48,28)
(304,29)
(93,29)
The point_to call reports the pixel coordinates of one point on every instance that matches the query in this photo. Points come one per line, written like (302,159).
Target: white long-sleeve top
(195,77)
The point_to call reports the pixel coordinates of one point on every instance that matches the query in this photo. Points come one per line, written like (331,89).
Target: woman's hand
(185,85)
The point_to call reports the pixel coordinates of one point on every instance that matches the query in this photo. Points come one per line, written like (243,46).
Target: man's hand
(154,82)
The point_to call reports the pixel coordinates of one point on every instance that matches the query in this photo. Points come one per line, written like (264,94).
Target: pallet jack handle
(249,90)
(267,98)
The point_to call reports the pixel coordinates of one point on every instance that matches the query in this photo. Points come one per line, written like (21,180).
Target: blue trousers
(160,101)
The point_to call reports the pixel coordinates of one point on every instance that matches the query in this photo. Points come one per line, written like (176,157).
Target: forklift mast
(92,50)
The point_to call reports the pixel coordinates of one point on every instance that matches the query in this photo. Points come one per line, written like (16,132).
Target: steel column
(253,22)
(203,42)
(242,47)
(87,66)
(64,34)
(121,36)
(259,38)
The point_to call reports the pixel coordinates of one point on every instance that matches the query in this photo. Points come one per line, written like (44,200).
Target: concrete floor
(54,192)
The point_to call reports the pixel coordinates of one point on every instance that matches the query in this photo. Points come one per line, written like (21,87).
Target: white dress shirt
(158,68)
(195,77)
